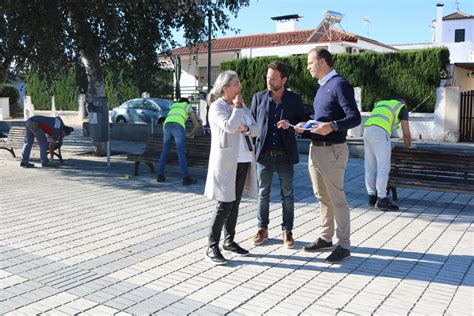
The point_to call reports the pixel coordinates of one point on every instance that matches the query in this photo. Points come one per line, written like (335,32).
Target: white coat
(225,144)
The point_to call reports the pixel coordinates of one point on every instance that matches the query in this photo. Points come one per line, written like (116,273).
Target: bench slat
(197,151)
(438,170)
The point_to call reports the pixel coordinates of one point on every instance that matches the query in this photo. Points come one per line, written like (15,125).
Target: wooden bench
(16,139)
(433,169)
(197,152)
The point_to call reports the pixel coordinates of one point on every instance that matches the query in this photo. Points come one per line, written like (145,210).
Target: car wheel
(121,120)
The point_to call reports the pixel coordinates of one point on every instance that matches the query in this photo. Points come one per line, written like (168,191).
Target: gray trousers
(377,154)
(326,167)
(31,134)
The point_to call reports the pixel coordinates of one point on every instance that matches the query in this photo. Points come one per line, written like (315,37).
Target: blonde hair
(222,81)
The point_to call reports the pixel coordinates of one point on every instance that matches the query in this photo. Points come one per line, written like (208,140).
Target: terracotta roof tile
(268,40)
(457,16)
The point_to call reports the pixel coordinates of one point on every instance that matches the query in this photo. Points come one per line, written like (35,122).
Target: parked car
(141,111)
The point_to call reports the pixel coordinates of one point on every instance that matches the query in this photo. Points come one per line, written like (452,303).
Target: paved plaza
(91,240)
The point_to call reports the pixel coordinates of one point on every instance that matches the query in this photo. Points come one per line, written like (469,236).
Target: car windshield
(164,104)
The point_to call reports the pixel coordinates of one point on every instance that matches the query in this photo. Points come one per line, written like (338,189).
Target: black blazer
(293,111)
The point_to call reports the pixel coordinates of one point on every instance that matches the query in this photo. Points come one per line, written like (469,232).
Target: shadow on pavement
(378,262)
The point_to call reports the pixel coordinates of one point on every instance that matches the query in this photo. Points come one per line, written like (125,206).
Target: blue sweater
(334,101)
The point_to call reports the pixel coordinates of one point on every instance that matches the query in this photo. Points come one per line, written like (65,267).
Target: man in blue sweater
(336,110)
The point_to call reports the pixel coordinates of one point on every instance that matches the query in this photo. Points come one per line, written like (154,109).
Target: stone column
(4,108)
(446,114)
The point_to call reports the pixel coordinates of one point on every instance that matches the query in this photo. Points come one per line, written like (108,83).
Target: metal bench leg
(137,164)
(60,156)
(394,193)
(151,166)
(10,150)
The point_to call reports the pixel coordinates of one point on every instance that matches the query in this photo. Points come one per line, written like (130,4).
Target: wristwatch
(334,126)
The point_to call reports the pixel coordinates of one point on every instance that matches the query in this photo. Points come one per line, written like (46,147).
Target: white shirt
(326,78)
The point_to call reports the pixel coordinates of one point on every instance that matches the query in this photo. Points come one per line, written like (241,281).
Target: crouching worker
(37,127)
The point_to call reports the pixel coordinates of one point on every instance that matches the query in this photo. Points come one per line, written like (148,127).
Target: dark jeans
(227,212)
(31,134)
(176,131)
(266,166)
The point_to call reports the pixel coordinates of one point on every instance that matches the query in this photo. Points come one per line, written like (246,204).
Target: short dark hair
(322,53)
(281,67)
(183,100)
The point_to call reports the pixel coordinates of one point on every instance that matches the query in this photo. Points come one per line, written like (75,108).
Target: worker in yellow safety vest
(385,118)
(174,126)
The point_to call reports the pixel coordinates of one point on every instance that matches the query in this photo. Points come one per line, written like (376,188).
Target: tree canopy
(47,34)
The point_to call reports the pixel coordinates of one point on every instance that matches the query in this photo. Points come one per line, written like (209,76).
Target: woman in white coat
(232,170)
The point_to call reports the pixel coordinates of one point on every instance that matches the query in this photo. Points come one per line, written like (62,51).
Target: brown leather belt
(319,143)
(274,152)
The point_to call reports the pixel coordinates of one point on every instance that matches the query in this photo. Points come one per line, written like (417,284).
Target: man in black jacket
(276,149)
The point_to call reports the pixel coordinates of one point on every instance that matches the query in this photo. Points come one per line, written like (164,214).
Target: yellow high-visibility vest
(385,115)
(179,113)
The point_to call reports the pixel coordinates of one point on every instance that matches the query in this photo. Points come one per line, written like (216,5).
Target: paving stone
(134,247)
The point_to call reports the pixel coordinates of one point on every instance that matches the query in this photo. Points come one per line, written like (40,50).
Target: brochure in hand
(309,125)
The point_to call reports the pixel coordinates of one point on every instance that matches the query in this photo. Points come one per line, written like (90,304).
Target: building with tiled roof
(456,32)
(193,60)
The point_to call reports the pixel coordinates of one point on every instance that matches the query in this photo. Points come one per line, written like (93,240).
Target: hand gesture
(322,129)
(238,101)
(242,128)
(299,128)
(283,124)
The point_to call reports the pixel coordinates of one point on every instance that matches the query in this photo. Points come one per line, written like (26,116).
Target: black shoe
(160,178)
(372,200)
(48,165)
(235,248)
(189,181)
(385,205)
(26,165)
(338,255)
(213,255)
(318,245)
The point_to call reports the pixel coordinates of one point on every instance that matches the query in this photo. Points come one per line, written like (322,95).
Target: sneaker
(372,200)
(262,234)
(26,165)
(235,248)
(385,205)
(189,181)
(338,255)
(160,178)
(288,241)
(318,245)
(213,255)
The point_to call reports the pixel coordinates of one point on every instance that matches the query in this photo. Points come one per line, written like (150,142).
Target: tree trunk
(89,47)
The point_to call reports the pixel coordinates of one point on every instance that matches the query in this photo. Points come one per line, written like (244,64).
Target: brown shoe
(262,234)
(288,241)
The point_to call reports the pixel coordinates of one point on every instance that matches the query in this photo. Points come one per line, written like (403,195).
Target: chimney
(287,26)
(439,23)
(286,23)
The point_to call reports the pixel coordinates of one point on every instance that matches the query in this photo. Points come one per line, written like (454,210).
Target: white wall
(450,26)
(458,52)
(463,78)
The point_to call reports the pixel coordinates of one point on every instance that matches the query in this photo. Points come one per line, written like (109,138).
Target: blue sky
(391,21)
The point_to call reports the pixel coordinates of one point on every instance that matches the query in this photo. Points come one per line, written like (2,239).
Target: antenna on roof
(366,21)
(457,5)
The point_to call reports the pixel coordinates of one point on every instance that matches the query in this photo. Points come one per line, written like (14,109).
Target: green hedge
(120,86)
(413,75)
